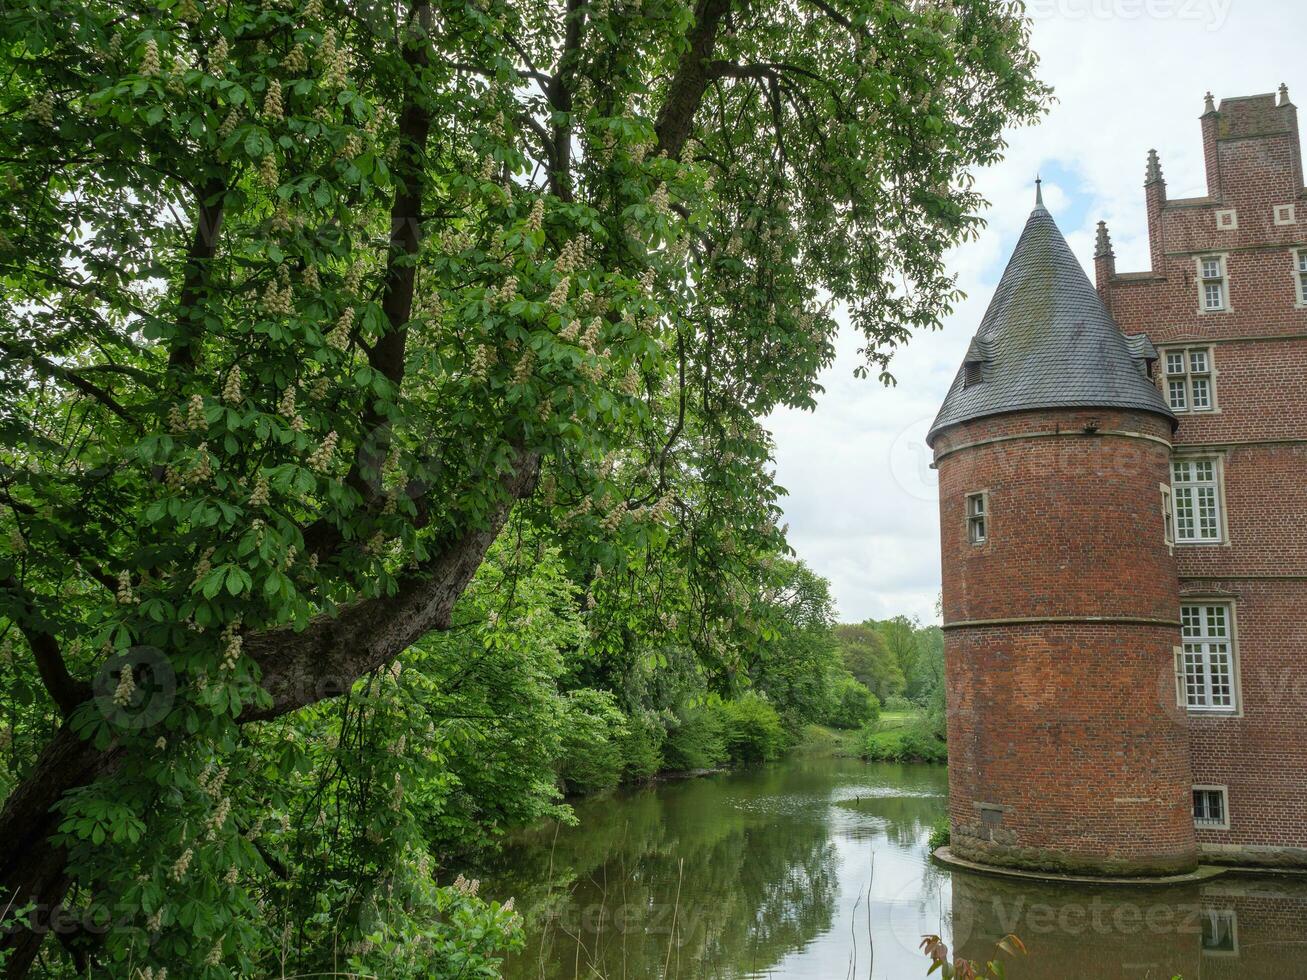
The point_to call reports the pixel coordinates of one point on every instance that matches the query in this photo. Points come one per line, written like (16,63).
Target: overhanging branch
(66,691)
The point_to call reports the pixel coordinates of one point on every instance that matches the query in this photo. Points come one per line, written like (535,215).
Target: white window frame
(1221,281)
(1224,793)
(1168,515)
(1196,495)
(1186,371)
(1207,660)
(1300,278)
(977,520)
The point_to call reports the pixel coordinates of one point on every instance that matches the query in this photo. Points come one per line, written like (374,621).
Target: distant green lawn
(896,719)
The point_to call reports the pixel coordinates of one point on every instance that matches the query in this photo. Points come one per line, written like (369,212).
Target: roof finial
(1103,243)
(1209,103)
(1154,171)
(1039,192)
(1284,94)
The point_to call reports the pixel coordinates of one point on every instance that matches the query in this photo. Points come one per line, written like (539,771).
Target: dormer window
(971,374)
(1212,284)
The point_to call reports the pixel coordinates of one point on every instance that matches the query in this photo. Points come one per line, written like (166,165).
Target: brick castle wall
(1259,431)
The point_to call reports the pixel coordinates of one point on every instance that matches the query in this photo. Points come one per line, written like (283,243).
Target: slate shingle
(1047,341)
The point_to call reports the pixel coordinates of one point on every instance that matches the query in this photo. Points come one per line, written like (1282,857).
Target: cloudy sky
(1128,75)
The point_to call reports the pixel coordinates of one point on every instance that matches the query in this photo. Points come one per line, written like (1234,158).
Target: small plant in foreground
(964,969)
(940,835)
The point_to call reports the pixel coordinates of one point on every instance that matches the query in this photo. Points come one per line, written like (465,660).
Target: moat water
(819,868)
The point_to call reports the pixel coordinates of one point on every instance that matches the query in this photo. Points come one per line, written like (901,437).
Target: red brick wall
(1261,755)
(1259,350)
(1069,728)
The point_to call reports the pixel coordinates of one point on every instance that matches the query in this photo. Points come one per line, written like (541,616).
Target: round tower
(1067,751)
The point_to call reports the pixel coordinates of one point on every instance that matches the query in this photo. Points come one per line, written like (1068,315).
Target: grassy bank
(902,736)
(822,741)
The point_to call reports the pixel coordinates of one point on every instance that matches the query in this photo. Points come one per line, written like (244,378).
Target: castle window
(1189,379)
(1168,516)
(1284,214)
(971,374)
(1212,283)
(1300,275)
(1210,811)
(1227,220)
(1196,491)
(1205,672)
(977,517)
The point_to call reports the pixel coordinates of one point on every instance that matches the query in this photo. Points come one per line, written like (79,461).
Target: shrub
(940,834)
(592,741)
(641,747)
(897,702)
(751,729)
(852,705)
(912,743)
(694,741)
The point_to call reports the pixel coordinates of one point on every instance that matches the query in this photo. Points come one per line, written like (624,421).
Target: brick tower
(1067,751)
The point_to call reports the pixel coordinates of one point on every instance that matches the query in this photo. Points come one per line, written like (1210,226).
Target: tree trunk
(298,669)
(32,868)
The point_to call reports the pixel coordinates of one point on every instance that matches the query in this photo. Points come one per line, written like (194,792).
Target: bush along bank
(605,748)
(915,739)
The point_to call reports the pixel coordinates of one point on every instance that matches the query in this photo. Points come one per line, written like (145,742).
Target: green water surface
(818,868)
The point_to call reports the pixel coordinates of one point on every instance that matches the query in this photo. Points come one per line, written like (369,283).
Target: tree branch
(64,689)
(676,118)
(204,244)
(560,99)
(72,377)
(328,656)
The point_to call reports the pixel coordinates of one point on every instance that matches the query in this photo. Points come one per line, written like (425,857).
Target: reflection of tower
(1120,933)
(1219,930)
(1059,584)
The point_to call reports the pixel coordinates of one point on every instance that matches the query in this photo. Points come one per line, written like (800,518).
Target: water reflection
(819,869)
(1229,927)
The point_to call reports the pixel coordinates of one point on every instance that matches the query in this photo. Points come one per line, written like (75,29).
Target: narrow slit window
(977,517)
(1300,279)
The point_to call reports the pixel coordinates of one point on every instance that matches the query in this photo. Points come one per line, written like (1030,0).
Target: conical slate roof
(1047,341)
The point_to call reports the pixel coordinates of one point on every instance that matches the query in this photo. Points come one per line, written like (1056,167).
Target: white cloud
(1129,75)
